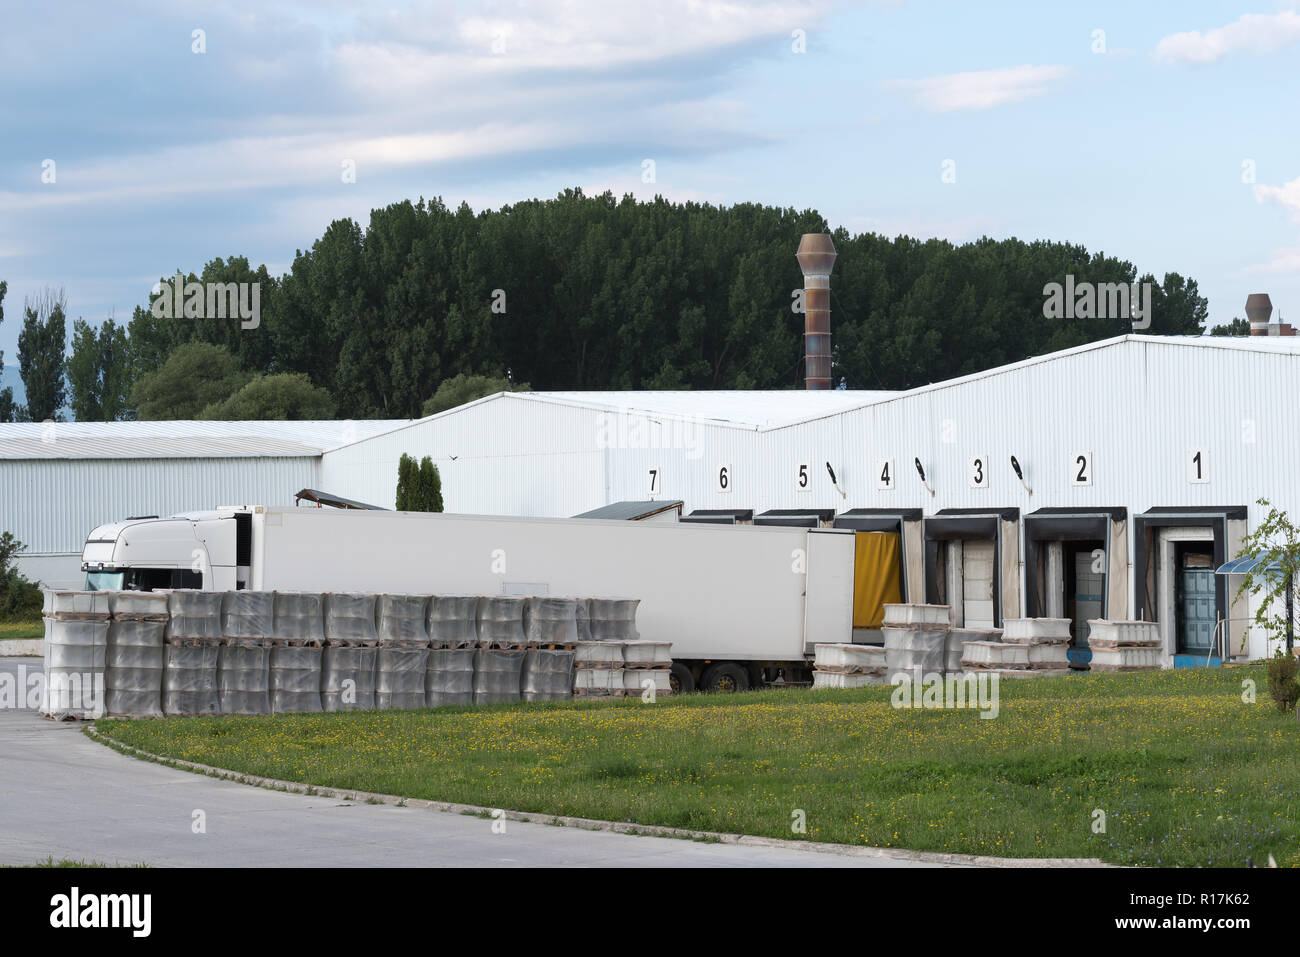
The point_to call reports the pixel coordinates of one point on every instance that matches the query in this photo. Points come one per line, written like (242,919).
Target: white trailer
(740,604)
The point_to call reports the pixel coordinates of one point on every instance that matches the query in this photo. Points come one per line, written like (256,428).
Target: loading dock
(888,564)
(1075,567)
(972,563)
(720,516)
(796,517)
(1175,553)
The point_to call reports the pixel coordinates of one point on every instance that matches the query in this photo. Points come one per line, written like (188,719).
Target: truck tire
(680,679)
(724,678)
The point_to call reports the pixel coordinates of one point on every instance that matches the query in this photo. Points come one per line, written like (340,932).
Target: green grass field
(21,629)
(1185,771)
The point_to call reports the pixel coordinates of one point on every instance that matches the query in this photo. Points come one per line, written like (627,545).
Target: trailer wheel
(724,678)
(680,679)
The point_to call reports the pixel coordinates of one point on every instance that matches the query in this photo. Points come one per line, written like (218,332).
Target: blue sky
(165,158)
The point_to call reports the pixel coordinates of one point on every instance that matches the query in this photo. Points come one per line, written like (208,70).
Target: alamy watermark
(1107,300)
(635,429)
(938,691)
(59,693)
(178,299)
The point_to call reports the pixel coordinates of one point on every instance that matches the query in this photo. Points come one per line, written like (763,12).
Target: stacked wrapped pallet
(403,659)
(499,658)
(598,669)
(244,658)
(647,666)
(76,642)
(613,619)
(187,652)
(133,662)
(1026,647)
(452,624)
(1124,645)
(297,653)
(191,647)
(350,653)
(916,639)
(849,666)
(551,636)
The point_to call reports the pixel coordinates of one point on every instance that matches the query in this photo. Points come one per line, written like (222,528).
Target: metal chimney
(1258,308)
(816,258)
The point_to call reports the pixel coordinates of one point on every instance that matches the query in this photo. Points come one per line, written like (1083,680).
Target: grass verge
(15,630)
(1183,769)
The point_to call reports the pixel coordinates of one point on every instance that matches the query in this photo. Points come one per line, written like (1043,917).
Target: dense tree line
(583,292)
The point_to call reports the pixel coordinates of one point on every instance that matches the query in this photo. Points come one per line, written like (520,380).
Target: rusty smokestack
(816,258)
(1258,309)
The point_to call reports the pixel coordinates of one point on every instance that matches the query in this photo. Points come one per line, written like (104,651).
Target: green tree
(99,372)
(1238,327)
(430,486)
(419,486)
(195,376)
(289,395)
(20,599)
(407,475)
(41,358)
(7,409)
(464,388)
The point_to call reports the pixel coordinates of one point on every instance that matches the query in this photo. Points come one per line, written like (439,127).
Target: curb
(22,648)
(587,824)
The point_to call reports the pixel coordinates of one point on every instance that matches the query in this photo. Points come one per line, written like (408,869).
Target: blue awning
(1241,566)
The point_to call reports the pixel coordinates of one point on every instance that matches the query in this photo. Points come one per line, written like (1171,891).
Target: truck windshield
(143,579)
(103,581)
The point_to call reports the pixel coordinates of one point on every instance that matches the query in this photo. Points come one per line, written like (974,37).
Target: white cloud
(979,89)
(1285,262)
(1287,196)
(1252,33)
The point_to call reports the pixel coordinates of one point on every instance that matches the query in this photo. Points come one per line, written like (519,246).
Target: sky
(146,136)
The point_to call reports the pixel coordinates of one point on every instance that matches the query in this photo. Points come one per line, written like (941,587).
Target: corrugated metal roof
(182,439)
(737,407)
(631,511)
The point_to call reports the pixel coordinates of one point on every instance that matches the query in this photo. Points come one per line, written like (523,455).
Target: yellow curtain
(875,577)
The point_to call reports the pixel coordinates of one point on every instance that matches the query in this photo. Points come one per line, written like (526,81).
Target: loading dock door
(977,561)
(875,577)
(1089,587)
(1196,617)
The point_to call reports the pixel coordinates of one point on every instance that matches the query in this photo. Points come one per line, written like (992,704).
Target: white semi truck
(742,605)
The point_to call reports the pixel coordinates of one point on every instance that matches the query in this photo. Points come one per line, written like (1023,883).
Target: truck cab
(192,550)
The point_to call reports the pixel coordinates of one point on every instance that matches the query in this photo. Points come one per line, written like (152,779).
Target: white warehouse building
(60,480)
(1141,461)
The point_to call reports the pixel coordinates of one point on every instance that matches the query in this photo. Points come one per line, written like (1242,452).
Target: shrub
(20,599)
(1282,684)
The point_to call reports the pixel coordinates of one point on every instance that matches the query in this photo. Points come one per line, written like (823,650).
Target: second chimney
(816,257)
(1258,309)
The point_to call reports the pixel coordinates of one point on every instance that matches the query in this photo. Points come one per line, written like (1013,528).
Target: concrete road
(66,796)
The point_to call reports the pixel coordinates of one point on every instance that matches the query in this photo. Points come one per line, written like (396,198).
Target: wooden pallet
(874,670)
(647,666)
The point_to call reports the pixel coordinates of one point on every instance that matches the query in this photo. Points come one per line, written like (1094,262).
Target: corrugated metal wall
(50,505)
(1135,407)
